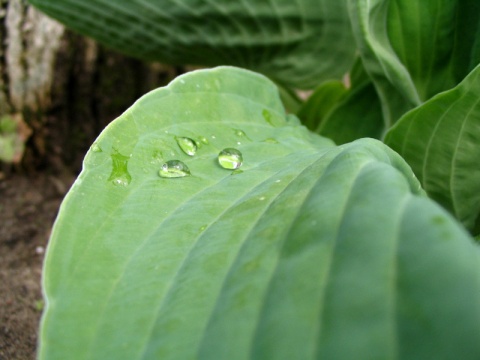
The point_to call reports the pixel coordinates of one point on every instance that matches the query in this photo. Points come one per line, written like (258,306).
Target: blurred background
(58,90)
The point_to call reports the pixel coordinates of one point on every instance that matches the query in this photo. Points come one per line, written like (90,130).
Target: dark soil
(28,206)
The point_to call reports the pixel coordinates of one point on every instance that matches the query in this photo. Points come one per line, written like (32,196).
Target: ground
(28,207)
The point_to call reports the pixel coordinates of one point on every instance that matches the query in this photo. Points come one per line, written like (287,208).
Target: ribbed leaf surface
(299,43)
(440,140)
(313,251)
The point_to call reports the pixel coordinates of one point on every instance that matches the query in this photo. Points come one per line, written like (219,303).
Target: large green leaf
(313,251)
(298,43)
(440,140)
(415,49)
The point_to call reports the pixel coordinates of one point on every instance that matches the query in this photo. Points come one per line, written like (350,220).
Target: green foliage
(441,140)
(281,38)
(308,250)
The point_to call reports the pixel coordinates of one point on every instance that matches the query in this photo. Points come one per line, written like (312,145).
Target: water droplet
(230,158)
(187,145)
(157,156)
(203,227)
(182,81)
(239,143)
(96,148)
(203,140)
(277,181)
(121,181)
(214,137)
(119,175)
(261,198)
(267,116)
(174,169)
(271,141)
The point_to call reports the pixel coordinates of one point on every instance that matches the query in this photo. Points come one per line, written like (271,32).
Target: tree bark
(64,87)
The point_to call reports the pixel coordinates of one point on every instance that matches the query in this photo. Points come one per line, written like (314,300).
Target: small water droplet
(187,145)
(204,140)
(239,143)
(182,81)
(119,175)
(277,181)
(267,116)
(157,156)
(271,141)
(230,158)
(96,148)
(174,169)
(166,131)
(261,198)
(121,181)
(203,227)
(214,137)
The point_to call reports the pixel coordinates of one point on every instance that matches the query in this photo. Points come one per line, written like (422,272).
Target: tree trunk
(62,89)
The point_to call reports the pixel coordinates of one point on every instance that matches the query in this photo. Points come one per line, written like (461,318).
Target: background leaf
(345,114)
(440,140)
(298,43)
(320,103)
(415,49)
(359,115)
(313,251)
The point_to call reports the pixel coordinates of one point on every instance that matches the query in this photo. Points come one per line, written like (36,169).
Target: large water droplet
(230,158)
(174,169)
(119,175)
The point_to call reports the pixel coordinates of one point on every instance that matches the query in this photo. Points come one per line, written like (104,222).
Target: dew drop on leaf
(96,148)
(119,175)
(230,158)
(174,169)
(267,116)
(270,141)
(204,140)
(240,133)
(187,145)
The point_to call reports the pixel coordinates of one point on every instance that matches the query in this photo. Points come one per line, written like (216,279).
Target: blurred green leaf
(323,99)
(299,43)
(357,116)
(313,251)
(345,114)
(440,140)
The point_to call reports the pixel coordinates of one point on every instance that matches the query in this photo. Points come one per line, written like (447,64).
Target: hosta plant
(221,217)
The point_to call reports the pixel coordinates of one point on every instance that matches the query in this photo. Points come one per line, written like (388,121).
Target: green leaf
(299,43)
(415,49)
(318,105)
(313,251)
(358,115)
(345,114)
(440,140)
